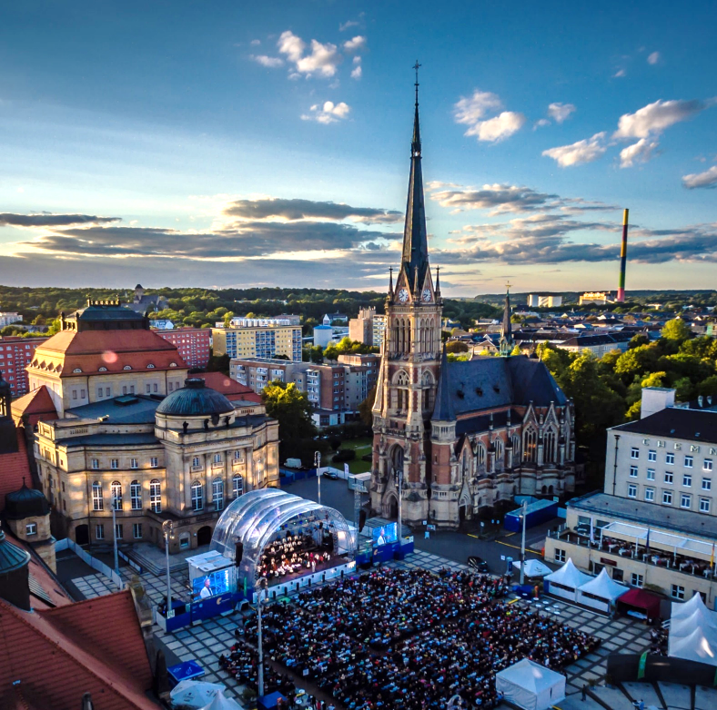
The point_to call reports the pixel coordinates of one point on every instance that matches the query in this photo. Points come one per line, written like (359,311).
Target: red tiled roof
(231,389)
(89,350)
(58,655)
(36,405)
(13,467)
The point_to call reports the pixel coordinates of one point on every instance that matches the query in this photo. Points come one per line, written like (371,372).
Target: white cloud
(619,74)
(357,72)
(639,152)
(706,179)
(323,60)
(498,128)
(328,113)
(541,123)
(653,58)
(291,45)
(560,112)
(347,25)
(656,117)
(271,62)
(584,151)
(255,42)
(356,44)
(470,110)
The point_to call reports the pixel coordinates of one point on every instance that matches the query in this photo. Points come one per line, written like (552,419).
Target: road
(455,546)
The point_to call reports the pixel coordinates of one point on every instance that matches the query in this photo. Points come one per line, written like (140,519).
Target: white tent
(531,686)
(600,593)
(195,693)
(565,581)
(533,568)
(700,646)
(702,619)
(683,610)
(222,703)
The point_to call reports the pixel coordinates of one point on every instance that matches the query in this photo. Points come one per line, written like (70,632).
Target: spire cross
(417,66)
(507,286)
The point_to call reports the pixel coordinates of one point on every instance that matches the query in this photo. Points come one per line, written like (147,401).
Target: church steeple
(415,237)
(506,330)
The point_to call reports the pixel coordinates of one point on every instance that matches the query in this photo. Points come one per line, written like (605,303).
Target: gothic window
(480,458)
(550,446)
(530,445)
(396,459)
(516,447)
(498,454)
(465,466)
(401,391)
(428,391)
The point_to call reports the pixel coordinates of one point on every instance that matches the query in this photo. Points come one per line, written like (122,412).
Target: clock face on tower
(426,295)
(403,295)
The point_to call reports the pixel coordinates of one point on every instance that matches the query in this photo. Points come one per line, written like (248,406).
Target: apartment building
(368,327)
(538,301)
(193,344)
(258,341)
(15,355)
(9,317)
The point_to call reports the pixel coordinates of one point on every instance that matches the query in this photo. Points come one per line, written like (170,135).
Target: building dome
(12,558)
(195,399)
(25,503)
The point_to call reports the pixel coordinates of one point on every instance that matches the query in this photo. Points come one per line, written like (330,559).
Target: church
(465,437)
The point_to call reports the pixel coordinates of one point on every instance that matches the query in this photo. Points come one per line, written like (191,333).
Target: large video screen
(211,585)
(385,534)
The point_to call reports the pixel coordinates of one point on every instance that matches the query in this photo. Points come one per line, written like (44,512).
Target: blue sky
(234,143)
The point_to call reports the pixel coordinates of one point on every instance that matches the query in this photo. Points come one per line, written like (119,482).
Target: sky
(234,144)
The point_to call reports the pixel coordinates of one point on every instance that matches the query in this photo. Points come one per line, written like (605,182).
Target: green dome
(25,503)
(195,399)
(11,557)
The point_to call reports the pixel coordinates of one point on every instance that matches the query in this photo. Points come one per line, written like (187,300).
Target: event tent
(703,619)
(638,602)
(683,610)
(195,693)
(565,581)
(531,686)
(599,593)
(700,646)
(533,568)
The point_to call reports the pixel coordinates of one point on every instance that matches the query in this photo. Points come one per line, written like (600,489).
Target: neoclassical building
(466,435)
(140,438)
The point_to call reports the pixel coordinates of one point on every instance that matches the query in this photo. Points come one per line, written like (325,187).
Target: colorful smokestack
(623,260)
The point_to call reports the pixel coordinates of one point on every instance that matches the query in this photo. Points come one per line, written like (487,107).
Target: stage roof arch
(257,516)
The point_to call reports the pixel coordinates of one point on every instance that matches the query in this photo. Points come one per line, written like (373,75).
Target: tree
(636,340)
(676,330)
(457,346)
(366,406)
(219,363)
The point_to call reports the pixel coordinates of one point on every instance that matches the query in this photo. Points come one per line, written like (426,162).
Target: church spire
(506,329)
(415,237)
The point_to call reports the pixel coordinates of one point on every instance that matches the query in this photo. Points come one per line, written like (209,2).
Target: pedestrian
(584,691)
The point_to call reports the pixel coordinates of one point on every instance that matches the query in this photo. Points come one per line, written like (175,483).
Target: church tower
(506,329)
(410,363)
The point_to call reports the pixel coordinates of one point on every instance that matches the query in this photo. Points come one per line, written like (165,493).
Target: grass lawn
(361,447)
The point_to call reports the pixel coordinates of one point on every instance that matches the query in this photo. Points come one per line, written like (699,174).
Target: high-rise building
(464,436)
(537,301)
(15,355)
(193,344)
(258,341)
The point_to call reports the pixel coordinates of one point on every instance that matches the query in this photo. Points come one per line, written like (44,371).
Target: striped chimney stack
(623,259)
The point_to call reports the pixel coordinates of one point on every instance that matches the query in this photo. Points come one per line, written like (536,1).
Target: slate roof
(59,654)
(139,412)
(111,440)
(677,423)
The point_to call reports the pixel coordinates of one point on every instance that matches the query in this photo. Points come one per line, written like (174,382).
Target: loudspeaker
(362,519)
(239,553)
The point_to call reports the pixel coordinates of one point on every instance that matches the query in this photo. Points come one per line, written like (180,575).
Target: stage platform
(298,582)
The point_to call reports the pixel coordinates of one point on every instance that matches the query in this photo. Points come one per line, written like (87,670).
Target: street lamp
(522,546)
(261,585)
(400,498)
(317,463)
(114,531)
(168,530)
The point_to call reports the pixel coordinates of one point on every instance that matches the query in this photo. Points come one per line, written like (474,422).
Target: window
(707,465)
(237,486)
(633,471)
(119,531)
(114,463)
(95,464)
(650,474)
(637,580)
(218,494)
(687,480)
(31,529)
(634,453)
(678,592)
(98,502)
(133,463)
(116,489)
(685,500)
(688,461)
(148,388)
(155,496)
(197,496)
(559,555)
(706,484)
(153,462)
(107,390)
(652,455)
(617,574)
(137,531)
(669,458)
(667,497)
(195,462)
(100,532)
(135,494)
(668,477)
(217,458)
(238,455)
(704,505)
(650,495)
(632,491)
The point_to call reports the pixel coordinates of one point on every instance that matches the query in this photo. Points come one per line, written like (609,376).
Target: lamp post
(168,529)
(114,532)
(262,583)
(522,546)
(400,499)
(317,463)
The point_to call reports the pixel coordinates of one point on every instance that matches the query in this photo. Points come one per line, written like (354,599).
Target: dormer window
(103,369)
(150,366)
(127,367)
(173,364)
(77,369)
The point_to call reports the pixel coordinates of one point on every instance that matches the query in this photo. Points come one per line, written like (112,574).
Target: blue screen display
(218,583)
(385,534)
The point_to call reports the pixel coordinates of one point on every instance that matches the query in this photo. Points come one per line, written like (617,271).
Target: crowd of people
(658,642)
(242,662)
(411,640)
(292,554)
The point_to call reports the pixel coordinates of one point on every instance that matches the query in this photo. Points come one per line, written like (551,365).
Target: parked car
(331,474)
(478,564)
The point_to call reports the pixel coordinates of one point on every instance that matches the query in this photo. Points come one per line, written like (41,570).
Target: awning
(643,601)
(680,544)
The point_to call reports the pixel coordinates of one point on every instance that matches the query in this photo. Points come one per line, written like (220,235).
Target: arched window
(135,494)
(465,466)
(428,391)
(218,493)
(480,458)
(155,496)
(550,446)
(516,447)
(396,459)
(197,496)
(498,444)
(237,486)
(401,383)
(116,491)
(98,501)
(530,445)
